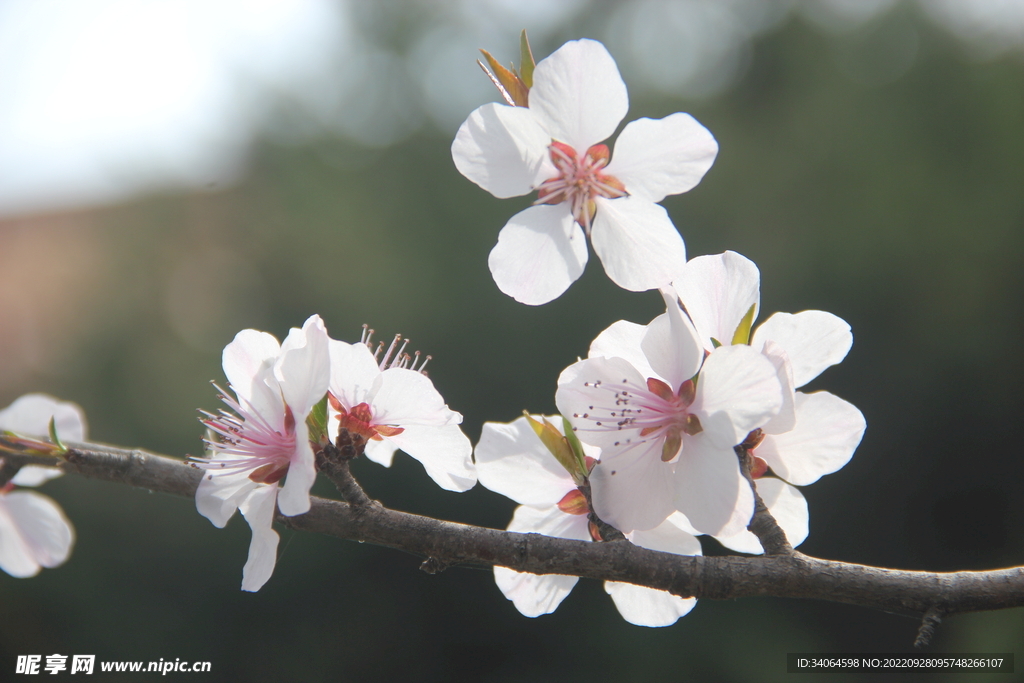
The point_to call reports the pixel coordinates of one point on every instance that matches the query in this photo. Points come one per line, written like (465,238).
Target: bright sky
(102,99)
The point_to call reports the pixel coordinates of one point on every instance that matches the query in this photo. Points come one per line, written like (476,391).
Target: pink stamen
(246,442)
(652,411)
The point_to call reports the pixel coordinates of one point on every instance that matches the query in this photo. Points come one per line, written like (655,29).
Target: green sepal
(742,334)
(526,61)
(509,84)
(61,448)
(575,445)
(316,422)
(557,445)
(715,343)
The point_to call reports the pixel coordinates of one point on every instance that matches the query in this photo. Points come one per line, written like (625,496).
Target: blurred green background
(872,166)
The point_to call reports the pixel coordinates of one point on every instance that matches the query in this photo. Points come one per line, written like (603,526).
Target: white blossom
(555,146)
(512,460)
(667,434)
(265,438)
(388,404)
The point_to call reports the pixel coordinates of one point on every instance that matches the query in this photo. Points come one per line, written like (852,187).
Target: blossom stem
(335,466)
(763,524)
(606,530)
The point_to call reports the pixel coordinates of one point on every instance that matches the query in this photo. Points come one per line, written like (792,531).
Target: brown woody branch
(789,575)
(763,524)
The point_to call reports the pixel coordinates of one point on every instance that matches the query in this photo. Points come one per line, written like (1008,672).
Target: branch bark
(786,575)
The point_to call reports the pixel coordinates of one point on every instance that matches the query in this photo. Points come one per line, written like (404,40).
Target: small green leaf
(61,448)
(715,342)
(742,334)
(317,423)
(526,63)
(557,444)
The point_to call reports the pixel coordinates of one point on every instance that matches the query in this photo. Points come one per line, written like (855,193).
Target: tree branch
(793,575)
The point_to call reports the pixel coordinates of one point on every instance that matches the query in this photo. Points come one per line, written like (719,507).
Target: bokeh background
(173,172)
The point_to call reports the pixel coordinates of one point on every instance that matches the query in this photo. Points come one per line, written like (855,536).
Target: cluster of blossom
(662,411)
(380,404)
(654,424)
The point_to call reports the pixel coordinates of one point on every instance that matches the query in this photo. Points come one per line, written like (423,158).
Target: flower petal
(219,495)
(33,475)
(668,537)
(445,453)
(535,595)
(406,398)
(587,389)
(632,489)
(709,488)
(303,367)
(578,95)
(294,496)
(785,420)
(637,243)
(642,606)
(718,291)
(381,452)
(671,345)
(15,554)
(827,432)
(353,372)
(788,507)
(738,391)
(258,510)
(512,460)
(531,594)
(243,358)
(549,521)
(540,252)
(30,415)
(44,529)
(503,149)
(622,340)
(814,341)
(656,158)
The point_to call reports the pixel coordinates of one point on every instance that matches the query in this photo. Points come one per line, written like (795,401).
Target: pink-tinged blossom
(555,146)
(263,438)
(666,433)
(34,532)
(512,460)
(388,403)
(814,434)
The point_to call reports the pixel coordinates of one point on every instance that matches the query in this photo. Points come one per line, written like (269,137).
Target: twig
(794,575)
(931,620)
(334,466)
(763,524)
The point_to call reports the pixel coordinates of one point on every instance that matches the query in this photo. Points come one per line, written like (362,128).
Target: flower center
(653,409)
(579,181)
(246,441)
(355,427)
